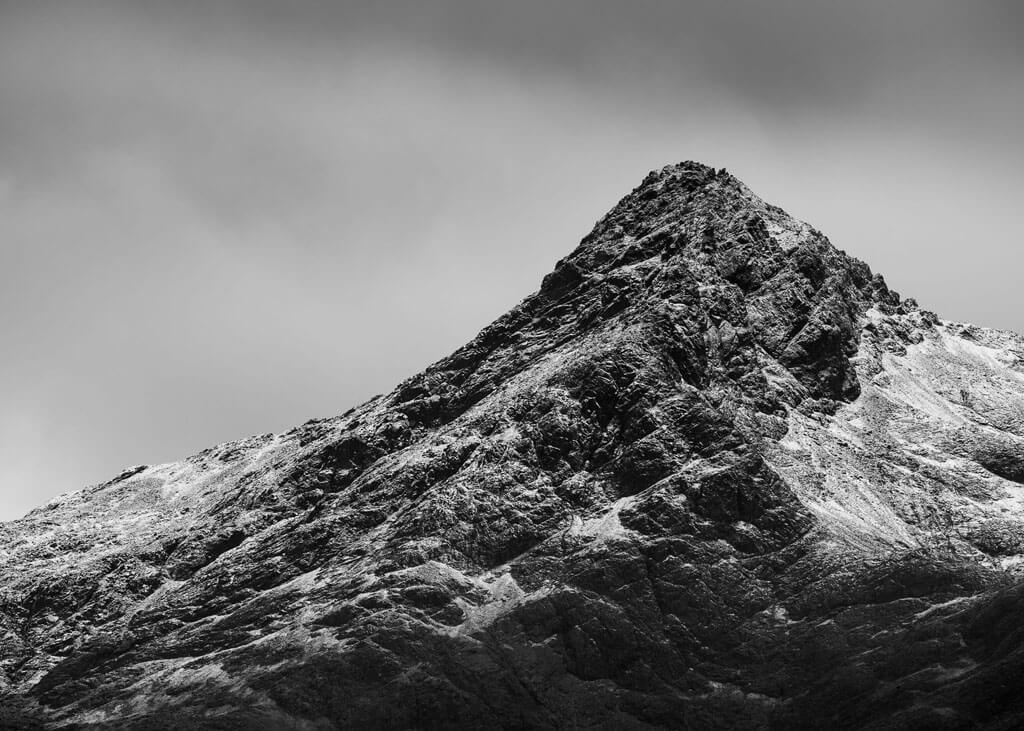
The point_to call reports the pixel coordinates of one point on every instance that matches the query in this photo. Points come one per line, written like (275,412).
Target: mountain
(713,474)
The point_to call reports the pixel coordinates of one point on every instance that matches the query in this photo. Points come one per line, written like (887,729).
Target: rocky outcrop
(713,474)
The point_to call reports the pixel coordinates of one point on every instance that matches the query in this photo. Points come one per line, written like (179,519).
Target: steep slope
(714,474)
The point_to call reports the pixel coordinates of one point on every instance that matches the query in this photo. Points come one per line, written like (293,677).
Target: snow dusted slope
(714,474)
(931,453)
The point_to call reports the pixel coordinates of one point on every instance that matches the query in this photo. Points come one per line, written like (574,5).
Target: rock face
(714,474)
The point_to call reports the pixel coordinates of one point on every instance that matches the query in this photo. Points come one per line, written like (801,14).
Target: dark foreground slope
(714,474)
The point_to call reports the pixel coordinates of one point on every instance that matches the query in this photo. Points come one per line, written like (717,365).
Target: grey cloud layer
(218,218)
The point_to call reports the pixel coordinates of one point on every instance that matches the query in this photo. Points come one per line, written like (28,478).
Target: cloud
(220,218)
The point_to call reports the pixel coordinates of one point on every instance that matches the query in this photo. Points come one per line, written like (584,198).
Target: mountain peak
(713,474)
(692,209)
(696,242)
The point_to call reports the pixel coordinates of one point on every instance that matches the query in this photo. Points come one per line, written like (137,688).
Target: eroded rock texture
(714,474)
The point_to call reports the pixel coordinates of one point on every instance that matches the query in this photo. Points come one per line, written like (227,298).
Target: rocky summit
(714,474)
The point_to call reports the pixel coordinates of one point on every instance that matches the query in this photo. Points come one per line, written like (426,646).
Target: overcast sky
(224,218)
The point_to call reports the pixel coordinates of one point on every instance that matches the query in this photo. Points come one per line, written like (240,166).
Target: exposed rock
(714,474)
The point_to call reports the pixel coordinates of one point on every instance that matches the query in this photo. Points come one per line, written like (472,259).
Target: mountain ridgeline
(713,474)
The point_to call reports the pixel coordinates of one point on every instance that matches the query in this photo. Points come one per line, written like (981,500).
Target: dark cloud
(789,51)
(219,218)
